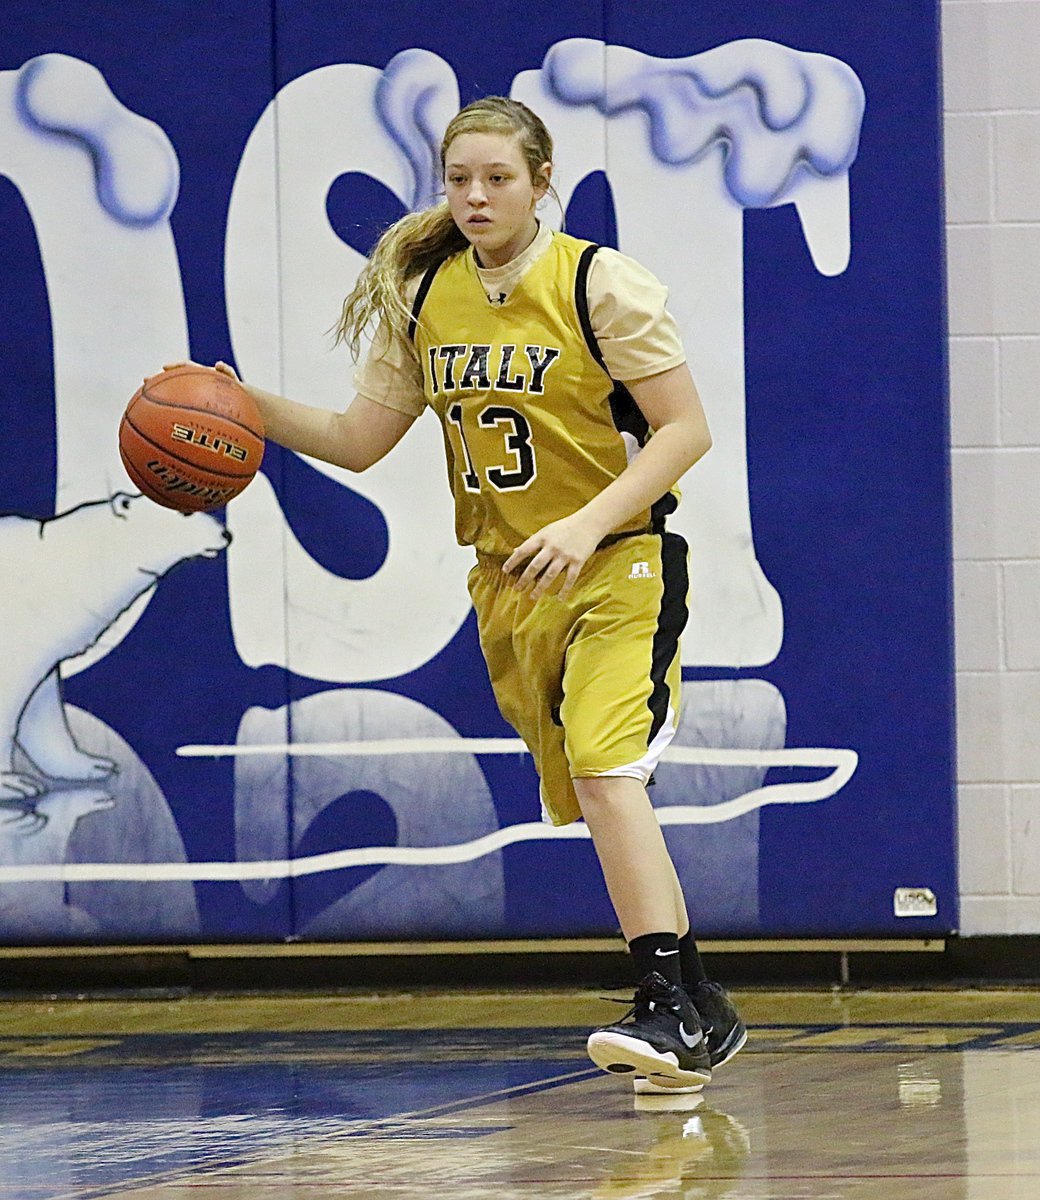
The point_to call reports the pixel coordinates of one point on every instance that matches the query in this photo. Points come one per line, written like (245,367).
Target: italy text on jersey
(512,372)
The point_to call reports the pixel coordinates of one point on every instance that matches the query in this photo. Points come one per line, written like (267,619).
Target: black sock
(690,961)
(656,952)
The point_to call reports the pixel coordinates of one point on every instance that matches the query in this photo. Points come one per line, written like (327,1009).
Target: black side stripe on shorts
(420,299)
(623,409)
(671,621)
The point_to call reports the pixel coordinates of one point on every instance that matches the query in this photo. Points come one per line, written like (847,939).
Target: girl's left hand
(561,548)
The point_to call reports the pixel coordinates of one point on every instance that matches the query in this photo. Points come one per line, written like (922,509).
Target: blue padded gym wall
(291,733)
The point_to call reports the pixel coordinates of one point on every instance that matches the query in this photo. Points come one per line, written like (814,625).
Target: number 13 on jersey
(518,468)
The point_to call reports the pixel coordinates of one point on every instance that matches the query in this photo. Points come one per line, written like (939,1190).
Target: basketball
(191,438)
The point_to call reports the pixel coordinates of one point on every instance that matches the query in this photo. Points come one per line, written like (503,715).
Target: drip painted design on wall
(371,763)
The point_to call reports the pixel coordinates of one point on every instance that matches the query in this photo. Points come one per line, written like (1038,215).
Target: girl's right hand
(222,367)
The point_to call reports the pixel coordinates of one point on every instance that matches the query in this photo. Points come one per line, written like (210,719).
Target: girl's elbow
(357,458)
(701,444)
(348,449)
(355,463)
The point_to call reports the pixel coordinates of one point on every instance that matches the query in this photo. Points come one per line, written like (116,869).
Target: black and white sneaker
(723,1029)
(660,1038)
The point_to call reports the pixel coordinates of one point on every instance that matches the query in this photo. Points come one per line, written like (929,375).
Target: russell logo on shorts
(641,570)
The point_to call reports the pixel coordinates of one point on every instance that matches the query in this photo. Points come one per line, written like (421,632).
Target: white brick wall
(991,76)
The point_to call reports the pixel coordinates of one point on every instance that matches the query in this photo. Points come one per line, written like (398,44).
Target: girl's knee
(602,791)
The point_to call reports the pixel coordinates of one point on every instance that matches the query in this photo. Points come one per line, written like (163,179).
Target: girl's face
(491,196)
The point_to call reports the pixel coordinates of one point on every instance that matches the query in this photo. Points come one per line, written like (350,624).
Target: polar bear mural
(68,578)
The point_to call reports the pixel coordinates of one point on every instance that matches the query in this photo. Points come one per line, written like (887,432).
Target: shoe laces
(648,996)
(632,1008)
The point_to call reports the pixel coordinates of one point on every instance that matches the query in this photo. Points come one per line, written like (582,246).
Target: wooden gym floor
(866,1095)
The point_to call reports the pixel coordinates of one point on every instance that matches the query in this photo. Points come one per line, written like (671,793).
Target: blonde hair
(426,238)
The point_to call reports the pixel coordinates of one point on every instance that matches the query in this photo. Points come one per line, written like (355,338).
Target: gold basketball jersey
(532,421)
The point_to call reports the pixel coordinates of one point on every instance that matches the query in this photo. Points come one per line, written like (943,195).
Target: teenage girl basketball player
(549,363)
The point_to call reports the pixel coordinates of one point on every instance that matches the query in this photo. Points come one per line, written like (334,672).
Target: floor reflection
(876,1110)
(701,1154)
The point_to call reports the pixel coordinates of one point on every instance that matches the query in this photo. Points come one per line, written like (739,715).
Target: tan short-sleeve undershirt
(637,335)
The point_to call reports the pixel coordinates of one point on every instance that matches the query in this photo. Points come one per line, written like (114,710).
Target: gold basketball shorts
(591,681)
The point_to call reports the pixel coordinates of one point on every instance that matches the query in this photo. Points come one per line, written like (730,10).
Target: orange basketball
(191,439)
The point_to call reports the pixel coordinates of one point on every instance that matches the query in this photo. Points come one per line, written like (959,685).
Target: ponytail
(410,246)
